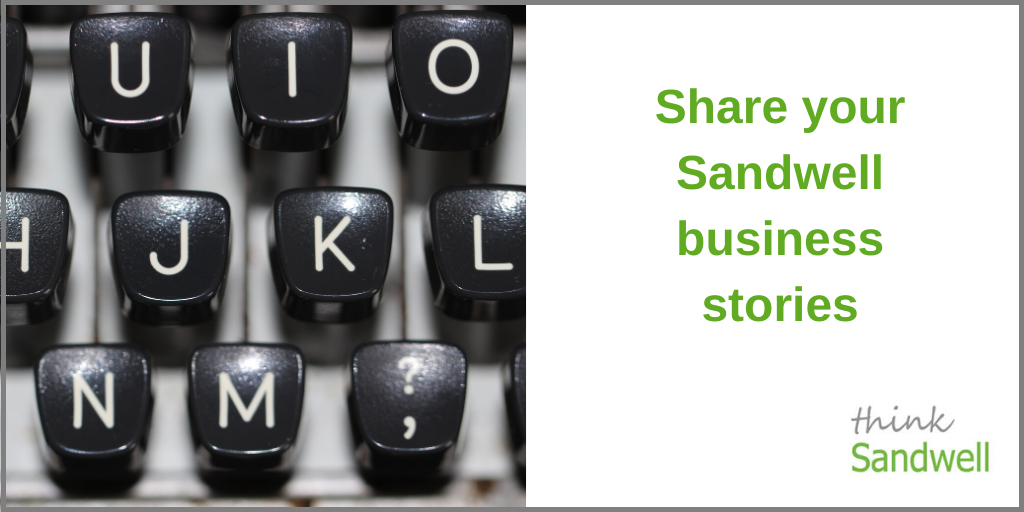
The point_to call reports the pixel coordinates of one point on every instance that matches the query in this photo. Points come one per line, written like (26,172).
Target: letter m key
(227,389)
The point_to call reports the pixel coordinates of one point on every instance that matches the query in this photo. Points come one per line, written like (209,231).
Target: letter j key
(170,252)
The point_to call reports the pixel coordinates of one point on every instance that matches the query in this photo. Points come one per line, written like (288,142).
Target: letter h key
(40,236)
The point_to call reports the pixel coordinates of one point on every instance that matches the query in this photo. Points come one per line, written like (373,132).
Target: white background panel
(641,400)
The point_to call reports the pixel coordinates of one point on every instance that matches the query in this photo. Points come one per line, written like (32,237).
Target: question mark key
(406,402)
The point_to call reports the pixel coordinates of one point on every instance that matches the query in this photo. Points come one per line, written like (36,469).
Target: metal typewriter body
(51,154)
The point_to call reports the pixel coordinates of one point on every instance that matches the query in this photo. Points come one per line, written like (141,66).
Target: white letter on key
(115,70)
(21,245)
(323,244)
(105,411)
(478,248)
(292,85)
(181,262)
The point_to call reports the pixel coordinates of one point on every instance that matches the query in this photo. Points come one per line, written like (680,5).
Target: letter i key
(288,75)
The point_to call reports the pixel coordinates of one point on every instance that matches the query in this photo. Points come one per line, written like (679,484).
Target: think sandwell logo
(923,460)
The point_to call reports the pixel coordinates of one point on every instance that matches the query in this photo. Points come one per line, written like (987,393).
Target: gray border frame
(3,146)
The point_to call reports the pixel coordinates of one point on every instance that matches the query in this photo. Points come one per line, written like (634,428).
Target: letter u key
(115,70)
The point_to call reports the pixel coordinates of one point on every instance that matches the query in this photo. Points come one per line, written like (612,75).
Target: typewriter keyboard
(290,240)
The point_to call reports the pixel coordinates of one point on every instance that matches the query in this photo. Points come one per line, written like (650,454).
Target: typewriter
(265,255)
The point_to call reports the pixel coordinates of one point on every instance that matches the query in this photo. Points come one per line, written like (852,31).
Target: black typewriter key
(213,16)
(95,406)
(329,249)
(170,252)
(515,13)
(131,78)
(245,403)
(448,73)
(475,240)
(19,79)
(40,236)
(368,16)
(288,75)
(515,402)
(52,14)
(406,401)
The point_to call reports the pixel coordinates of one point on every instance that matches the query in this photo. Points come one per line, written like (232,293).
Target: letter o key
(474,71)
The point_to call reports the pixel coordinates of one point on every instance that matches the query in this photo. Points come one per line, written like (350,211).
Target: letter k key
(323,244)
(315,290)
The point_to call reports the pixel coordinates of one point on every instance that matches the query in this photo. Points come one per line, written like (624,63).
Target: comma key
(406,402)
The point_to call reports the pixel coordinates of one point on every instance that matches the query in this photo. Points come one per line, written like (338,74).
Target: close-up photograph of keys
(265,255)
